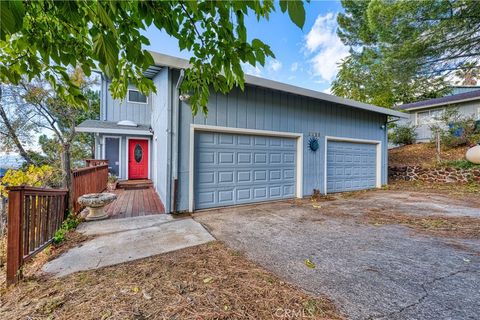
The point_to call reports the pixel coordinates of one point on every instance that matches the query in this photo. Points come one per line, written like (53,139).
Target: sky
(307,58)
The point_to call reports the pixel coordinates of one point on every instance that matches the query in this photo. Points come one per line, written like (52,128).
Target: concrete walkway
(122,240)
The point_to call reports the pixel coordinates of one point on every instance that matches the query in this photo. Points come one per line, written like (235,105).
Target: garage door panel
(242,169)
(350,166)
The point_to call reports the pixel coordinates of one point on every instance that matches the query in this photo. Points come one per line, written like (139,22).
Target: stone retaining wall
(448,175)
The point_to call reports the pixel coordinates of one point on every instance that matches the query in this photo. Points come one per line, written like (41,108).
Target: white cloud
(294,67)
(324,47)
(249,69)
(274,65)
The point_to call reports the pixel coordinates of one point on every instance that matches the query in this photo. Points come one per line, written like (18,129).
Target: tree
(48,111)
(47,37)
(468,74)
(407,47)
(15,126)
(55,114)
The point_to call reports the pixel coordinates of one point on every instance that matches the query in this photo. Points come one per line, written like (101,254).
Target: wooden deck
(135,203)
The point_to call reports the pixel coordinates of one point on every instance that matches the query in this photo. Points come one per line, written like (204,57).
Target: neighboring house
(462,89)
(425,113)
(254,145)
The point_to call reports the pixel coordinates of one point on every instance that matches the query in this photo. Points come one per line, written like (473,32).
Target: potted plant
(112,182)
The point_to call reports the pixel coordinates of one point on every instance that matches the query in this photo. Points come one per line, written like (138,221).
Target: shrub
(404,134)
(42,176)
(454,129)
(68,224)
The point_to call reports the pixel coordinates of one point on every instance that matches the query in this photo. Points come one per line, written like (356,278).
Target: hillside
(422,154)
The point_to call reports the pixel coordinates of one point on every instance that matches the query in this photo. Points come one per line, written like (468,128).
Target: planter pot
(96,202)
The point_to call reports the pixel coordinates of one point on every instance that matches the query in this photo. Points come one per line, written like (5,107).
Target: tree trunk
(13,134)
(67,173)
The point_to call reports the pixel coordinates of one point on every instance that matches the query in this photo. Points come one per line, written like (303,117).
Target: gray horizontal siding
(264,109)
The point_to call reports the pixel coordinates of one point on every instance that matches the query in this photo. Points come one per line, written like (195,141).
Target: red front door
(137,159)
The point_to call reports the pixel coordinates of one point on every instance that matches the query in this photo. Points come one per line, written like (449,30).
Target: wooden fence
(95,162)
(34,215)
(88,180)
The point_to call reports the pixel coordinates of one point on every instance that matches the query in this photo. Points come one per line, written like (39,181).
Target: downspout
(175,125)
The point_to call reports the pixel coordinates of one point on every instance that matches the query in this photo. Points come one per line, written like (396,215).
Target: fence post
(14,235)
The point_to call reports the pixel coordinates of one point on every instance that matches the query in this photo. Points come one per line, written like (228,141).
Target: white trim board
(378,159)
(149,154)
(114,131)
(137,102)
(200,127)
(120,162)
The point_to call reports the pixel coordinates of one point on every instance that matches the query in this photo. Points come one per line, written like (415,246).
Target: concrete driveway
(370,271)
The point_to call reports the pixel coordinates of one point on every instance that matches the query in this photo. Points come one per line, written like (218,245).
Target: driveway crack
(424,295)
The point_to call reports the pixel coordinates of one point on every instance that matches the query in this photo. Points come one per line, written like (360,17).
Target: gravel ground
(370,271)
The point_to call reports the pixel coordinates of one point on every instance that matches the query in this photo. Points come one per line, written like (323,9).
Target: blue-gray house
(271,141)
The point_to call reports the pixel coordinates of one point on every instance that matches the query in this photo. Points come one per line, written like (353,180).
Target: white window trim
(199,127)
(138,102)
(128,153)
(378,159)
(104,156)
(432,121)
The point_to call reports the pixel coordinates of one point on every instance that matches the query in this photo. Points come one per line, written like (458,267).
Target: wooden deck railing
(34,215)
(95,162)
(88,180)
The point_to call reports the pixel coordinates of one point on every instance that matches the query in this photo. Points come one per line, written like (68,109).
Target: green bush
(70,223)
(455,130)
(403,134)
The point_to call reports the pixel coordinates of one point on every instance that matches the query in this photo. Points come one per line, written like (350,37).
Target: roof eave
(113,131)
(442,104)
(179,63)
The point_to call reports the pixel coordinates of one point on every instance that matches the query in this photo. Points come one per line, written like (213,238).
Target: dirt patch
(462,227)
(422,154)
(380,207)
(206,282)
(467,192)
(33,266)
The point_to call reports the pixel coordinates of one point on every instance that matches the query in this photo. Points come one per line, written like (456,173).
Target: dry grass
(340,206)
(205,282)
(463,227)
(468,192)
(33,266)
(422,154)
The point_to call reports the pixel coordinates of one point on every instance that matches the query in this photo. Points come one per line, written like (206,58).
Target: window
(429,116)
(478,113)
(136,96)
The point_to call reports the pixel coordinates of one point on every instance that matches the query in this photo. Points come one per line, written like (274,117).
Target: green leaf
(309,264)
(106,50)
(296,11)
(11,17)
(104,18)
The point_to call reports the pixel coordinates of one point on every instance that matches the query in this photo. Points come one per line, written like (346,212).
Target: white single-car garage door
(351,166)
(232,169)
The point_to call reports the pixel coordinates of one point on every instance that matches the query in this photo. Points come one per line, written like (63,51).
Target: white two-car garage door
(232,169)
(351,166)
